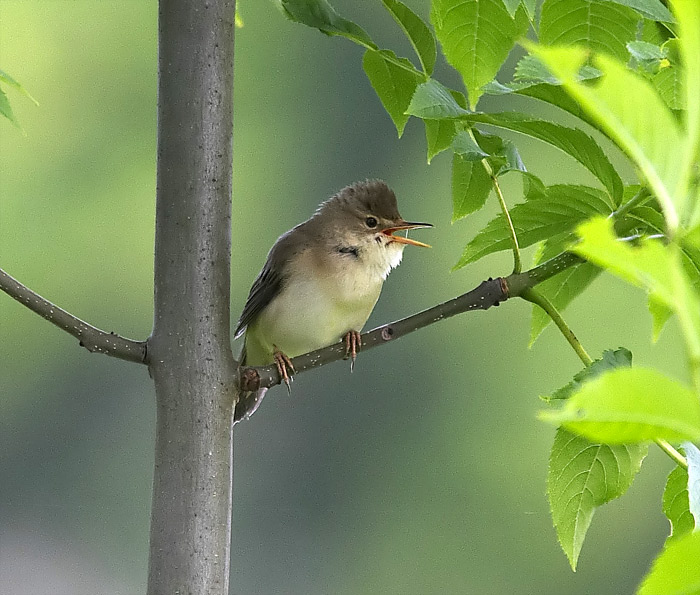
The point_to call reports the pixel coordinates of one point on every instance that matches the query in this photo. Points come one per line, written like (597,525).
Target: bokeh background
(423,472)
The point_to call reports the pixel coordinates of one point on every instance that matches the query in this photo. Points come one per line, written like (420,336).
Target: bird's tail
(249,401)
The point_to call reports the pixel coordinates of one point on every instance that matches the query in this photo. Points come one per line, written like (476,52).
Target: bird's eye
(371,222)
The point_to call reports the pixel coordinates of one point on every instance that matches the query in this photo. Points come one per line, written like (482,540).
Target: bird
(321,281)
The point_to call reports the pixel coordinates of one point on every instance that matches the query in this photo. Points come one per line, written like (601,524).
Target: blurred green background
(423,472)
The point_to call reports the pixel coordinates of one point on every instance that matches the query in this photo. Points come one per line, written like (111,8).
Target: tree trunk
(189,352)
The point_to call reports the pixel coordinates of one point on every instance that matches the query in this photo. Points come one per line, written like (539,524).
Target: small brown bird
(321,280)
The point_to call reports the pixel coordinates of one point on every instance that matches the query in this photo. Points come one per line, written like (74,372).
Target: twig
(488,293)
(90,337)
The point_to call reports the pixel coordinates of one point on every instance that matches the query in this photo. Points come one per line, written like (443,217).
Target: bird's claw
(283,364)
(353,344)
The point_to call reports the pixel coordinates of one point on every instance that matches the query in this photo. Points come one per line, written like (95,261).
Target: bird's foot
(284,367)
(353,344)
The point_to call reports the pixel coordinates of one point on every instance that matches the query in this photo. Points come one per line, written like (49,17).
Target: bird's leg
(353,344)
(283,364)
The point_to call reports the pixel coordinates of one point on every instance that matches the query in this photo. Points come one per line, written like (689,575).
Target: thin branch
(488,293)
(90,337)
(517,261)
(535,297)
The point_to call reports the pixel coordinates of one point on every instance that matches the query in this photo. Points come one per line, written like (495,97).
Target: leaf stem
(532,295)
(517,261)
(672,453)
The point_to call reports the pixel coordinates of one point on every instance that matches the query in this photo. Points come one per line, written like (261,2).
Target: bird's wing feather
(269,282)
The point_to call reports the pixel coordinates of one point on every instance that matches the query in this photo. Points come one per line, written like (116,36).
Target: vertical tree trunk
(189,351)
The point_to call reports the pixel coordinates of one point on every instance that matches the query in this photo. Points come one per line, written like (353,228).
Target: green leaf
(692,456)
(646,52)
(530,68)
(418,33)
(651,265)
(434,101)
(394,85)
(8,80)
(511,6)
(630,111)
(649,9)
(552,94)
(471,185)
(675,503)
(688,14)
(560,210)
(628,405)
(320,15)
(676,571)
(600,26)
(502,155)
(476,38)
(583,476)
(6,109)
(572,141)
(438,136)
(465,146)
(669,84)
(611,359)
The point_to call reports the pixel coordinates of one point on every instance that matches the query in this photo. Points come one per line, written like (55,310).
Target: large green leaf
(649,9)
(651,265)
(583,476)
(394,85)
(418,33)
(476,38)
(471,185)
(600,26)
(611,359)
(676,571)
(688,13)
(320,15)
(632,113)
(572,141)
(631,405)
(542,216)
(675,503)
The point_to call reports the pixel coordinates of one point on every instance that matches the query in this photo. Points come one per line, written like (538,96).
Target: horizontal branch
(487,294)
(90,337)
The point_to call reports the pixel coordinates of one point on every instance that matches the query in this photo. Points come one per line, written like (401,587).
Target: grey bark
(189,352)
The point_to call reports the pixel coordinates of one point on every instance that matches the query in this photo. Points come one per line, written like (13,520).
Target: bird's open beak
(405,225)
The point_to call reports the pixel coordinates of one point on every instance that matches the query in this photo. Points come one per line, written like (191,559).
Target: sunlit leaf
(676,571)
(628,405)
(611,359)
(692,456)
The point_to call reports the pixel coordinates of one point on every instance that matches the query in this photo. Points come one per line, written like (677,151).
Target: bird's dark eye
(371,222)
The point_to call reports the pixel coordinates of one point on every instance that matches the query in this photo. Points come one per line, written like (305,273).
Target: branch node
(250,379)
(387,333)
